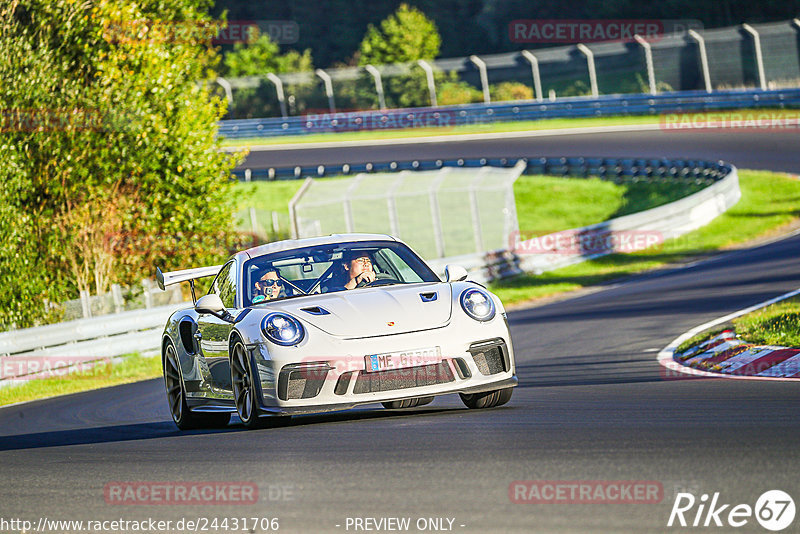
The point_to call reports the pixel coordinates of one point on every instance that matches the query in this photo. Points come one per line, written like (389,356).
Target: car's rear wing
(185,275)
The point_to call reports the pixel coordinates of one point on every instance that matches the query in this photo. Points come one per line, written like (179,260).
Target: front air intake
(491,356)
(412,377)
(302,380)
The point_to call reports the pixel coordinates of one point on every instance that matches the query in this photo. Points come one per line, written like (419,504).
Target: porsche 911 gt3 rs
(330,323)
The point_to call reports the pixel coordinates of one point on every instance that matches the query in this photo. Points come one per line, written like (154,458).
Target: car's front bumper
(476,357)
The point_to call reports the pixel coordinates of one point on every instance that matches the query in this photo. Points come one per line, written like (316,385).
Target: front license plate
(403,359)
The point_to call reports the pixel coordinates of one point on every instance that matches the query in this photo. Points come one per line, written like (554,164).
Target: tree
(111,164)
(406,35)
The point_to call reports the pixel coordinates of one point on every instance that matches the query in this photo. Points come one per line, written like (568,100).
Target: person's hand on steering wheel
(365,278)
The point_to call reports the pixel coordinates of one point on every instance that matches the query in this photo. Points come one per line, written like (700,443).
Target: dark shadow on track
(167,429)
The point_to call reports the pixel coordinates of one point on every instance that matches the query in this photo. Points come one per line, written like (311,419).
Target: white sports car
(330,323)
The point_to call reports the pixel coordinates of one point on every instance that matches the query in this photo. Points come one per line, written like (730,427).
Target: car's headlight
(282,329)
(477,304)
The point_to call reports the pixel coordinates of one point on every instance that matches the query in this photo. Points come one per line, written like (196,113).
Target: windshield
(331,268)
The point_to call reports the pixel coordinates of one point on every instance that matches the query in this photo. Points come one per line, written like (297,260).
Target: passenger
(269,286)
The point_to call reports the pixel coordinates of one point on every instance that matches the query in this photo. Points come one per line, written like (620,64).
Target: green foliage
(454,92)
(510,91)
(406,35)
(109,148)
(257,58)
(261,55)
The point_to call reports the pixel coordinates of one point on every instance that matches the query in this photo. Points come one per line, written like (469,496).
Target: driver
(358,267)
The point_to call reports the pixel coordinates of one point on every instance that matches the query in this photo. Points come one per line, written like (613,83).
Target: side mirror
(454,273)
(210,304)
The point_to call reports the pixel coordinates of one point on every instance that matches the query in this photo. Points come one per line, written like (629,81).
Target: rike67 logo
(774,510)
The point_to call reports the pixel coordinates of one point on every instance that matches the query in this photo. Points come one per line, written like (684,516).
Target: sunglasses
(269,282)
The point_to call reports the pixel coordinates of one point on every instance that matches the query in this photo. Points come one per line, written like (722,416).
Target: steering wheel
(381,279)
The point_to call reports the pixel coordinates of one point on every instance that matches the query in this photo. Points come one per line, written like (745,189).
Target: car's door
(214,331)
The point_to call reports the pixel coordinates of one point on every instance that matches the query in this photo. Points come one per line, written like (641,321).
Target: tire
(407,403)
(183,417)
(487,399)
(244,388)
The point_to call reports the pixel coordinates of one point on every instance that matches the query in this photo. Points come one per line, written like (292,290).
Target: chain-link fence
(144,295)
(444,213)
(761,55)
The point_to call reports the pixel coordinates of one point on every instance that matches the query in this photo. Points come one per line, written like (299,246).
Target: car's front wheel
(183,417)
(244,388)
(487,399)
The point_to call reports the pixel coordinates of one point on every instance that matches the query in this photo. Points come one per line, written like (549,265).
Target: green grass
(497,127)
(131,369)
(769,202)
(777,324)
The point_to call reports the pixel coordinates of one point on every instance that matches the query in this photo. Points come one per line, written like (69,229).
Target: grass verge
(497,127)
(130,368)
(777,324)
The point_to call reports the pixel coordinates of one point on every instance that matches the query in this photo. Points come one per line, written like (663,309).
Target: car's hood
(374,311)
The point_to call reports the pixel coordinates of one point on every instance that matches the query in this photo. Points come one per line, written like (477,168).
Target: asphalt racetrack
(593,405)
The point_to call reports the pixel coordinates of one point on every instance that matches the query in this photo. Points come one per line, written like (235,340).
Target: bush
(106,134)
(510,91)
(457,92)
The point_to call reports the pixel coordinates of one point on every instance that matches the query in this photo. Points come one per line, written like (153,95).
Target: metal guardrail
(127,332)
(619,169)
(471,114)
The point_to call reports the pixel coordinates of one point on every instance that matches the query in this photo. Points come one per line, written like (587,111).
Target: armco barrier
(85,339)
(472,114)
(618,169)
(122,333)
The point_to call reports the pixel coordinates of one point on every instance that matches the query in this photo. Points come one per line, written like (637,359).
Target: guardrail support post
(648,59)
(701,45)
(279,89)
(431,82)
(116,293)
(762,80)
(86,306)
(378,84)
(592,71)
(478,62)
(328,88)
(537,80)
